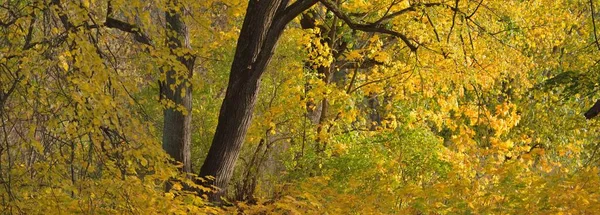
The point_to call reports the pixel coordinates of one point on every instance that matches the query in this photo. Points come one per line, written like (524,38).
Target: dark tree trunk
(176,127)
(262,27)
(593,111)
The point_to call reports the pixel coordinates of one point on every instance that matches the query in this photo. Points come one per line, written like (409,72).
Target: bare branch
(139,36)
(594,24)
(453,20)
(375,81)
(412,8)
(372,27)
(476,8)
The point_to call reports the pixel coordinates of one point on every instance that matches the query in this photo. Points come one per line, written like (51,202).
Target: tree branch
(372,27)
(351,90)
(594,24)
(593,111)
(130,28)
(283,17)
(412,8)
(139,36)
(63,17)
(453,20)
(476,8)
(7,24)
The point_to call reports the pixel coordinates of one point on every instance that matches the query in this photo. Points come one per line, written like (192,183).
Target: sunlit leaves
(75,127)
(471,83)
(484,118)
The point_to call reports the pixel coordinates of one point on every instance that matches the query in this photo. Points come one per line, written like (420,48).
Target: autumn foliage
(366,107)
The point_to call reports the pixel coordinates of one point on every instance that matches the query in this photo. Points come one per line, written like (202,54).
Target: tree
(264,23)
(73,124)
(175,89)
(420,101)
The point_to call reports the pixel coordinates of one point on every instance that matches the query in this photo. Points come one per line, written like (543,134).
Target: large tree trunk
(176,127)
(262,27)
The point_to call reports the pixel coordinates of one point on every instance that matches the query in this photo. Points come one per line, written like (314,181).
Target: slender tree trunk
(262,27)
(328,35)
(177,123)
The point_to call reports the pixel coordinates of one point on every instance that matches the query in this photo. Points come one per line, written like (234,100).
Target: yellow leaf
(62,62)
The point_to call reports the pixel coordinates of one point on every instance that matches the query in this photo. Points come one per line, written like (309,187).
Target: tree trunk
(262,27)
(593,111)
(177,123)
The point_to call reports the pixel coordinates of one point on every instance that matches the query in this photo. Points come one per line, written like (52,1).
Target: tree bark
(177,123)
(593,111)
(262,27)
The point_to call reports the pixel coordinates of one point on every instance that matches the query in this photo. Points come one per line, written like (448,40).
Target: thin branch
(387,11)
(412,8)
(453,20)
(7,24)
(437,36)
(372,27)
(30,32)
(4,95)
(476,8)
(594,24)
(375,81)
(352,81)
(593,153)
